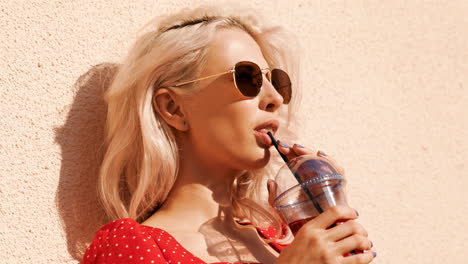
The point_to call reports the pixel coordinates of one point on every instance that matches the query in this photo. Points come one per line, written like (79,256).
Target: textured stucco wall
(386,93)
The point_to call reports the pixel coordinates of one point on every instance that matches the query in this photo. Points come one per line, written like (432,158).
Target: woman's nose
(269,98)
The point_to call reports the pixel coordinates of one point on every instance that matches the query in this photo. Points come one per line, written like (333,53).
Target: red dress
(126,241)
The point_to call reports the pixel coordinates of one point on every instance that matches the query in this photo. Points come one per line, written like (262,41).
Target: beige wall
(386,91)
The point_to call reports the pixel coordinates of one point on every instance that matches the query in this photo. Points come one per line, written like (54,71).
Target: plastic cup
(303,202)
(320,187)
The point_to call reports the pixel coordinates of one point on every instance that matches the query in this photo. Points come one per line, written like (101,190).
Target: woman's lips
(262,138)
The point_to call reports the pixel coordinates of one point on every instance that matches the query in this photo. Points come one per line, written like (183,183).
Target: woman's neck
(200,193)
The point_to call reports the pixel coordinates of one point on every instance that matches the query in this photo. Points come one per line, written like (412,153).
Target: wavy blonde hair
(141,160)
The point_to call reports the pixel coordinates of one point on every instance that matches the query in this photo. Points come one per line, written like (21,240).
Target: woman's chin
(260,160)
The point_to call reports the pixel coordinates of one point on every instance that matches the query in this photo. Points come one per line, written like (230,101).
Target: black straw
(275,143)
(298,178)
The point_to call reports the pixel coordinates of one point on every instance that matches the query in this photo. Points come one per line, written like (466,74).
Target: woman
(188,155)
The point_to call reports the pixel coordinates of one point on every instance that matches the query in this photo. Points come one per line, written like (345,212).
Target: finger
(295,151)
(365,257)
(301,150)
(332,215)
(356,241)
(287,150)
(298,150)
(272,187)
(346,229)
(284,148)
(339,168)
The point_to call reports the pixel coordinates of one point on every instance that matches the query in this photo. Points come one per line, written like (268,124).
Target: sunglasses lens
(248,78)
(282,83)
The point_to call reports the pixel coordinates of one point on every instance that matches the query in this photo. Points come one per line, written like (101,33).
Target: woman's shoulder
(126,241)
(126,226)
(128,231)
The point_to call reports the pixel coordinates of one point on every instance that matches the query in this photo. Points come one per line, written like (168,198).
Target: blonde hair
(141,161)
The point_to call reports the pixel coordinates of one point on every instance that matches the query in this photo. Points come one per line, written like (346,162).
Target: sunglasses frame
(233,71)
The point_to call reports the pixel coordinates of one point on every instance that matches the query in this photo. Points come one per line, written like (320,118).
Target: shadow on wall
(82,143)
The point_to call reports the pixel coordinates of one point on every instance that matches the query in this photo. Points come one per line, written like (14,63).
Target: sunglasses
(248,78)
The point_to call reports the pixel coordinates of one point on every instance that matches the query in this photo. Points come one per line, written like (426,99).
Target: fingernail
(299,146)
(321,153)
(284,145)
(374,254)
(357,213)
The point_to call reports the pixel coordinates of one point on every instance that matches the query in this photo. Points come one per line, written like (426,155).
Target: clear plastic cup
(307,186)
(320,187)
(303,202)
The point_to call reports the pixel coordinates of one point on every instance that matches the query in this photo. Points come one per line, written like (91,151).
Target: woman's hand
(316,243)
(320,240)
(298,150)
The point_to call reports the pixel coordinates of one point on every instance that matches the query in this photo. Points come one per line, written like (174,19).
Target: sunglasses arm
(204,78)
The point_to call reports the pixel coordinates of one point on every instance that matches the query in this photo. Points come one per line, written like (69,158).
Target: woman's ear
(169,108)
